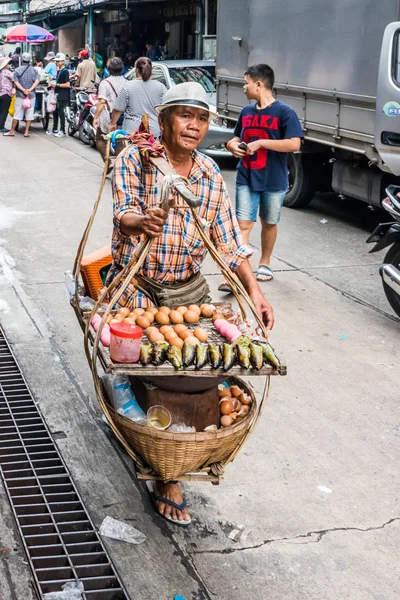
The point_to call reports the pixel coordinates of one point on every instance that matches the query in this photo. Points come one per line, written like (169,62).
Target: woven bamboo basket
(172,455)
(161,454)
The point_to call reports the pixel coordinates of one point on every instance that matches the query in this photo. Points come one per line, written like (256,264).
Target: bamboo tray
(167,370)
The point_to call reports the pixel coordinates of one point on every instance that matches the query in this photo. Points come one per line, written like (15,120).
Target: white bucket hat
(187,94)
(4,60)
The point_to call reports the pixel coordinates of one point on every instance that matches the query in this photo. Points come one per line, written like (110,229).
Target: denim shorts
(270,203)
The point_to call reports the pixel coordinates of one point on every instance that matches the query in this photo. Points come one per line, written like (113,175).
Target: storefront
(175,25)
(182,29)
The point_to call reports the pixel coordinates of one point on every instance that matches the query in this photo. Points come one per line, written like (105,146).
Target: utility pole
(25,14)
(90,41)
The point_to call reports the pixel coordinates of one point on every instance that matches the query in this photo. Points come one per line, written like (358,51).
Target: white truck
(337,64)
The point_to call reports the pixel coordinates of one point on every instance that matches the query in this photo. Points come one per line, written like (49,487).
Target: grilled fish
(215,356)
(256,356)
(174,355)
(229,356)
(270,356)
(243,340)
(146,351)
(159,352)
(201,355)
(188,354)
(243,353)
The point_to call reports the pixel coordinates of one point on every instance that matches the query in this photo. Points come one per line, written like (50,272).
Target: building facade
(182,29)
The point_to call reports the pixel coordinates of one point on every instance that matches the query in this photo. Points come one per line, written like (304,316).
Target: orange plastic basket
(94,269)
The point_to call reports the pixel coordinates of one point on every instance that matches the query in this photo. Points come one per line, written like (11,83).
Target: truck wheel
(393,258)
(302,184)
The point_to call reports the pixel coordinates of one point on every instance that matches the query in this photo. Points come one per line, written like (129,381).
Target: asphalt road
(316,487)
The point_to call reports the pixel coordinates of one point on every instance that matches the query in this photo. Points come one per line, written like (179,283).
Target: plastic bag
(118,530)
(51,101)
(123,399)
(26,103)
(72,590)
(12,106)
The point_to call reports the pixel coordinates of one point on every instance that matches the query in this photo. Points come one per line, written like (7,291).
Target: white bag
(51,101)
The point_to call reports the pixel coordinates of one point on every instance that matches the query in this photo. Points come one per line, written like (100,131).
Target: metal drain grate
(59,537)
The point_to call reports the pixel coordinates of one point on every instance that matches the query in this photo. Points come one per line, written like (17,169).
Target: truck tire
(393,258)
(302,183)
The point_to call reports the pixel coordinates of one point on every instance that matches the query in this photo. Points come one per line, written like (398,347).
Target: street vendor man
(178,252)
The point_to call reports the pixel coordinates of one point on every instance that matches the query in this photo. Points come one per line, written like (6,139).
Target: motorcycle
(81,115)
(388,234)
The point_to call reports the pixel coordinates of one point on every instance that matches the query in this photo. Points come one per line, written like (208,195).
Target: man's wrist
(253,288)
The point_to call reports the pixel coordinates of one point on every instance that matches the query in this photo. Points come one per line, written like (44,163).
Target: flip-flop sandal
(27,135)
(9,134)
(264,273)
(151,486)
(225,287)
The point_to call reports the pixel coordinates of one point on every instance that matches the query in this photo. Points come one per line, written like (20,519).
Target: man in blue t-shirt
(51,68)
(265,132)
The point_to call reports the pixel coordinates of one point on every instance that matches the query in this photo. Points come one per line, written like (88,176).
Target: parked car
(173,72)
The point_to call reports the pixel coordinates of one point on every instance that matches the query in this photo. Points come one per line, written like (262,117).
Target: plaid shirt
(179,252)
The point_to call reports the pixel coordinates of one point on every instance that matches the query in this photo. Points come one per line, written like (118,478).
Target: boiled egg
(143,322)
(166,328)
(193,341)
(176,316)
(201,334)
(192,316)
(176,341)
(162,318)
(149,316)
(155,336)
(207,310)
(179,328)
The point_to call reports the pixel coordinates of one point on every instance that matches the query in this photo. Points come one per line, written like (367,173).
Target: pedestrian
(16,58)
(38,65)
(86,72)
(26,79)
(50,71)
(178,251)
(50,68)
(138,97)
(61,86)
(6,91)
(269,130)
(151,51)
(114,50)
(109,90)
(98,58)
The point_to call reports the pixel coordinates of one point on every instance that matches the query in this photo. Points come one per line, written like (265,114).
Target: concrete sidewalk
(316,487)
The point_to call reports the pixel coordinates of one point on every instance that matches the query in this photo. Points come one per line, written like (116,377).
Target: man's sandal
(151,486)
(9,134)
(264,273)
